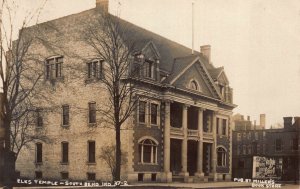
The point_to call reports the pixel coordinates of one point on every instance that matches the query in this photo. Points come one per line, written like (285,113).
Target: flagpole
(192,27)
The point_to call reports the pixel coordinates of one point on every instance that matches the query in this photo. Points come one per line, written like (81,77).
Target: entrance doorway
(175,158)
(192,157)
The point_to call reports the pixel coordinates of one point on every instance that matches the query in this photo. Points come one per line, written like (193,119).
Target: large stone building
(181,131)
(278,145)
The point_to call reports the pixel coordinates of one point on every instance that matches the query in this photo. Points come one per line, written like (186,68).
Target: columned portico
(184,171)
(191,132)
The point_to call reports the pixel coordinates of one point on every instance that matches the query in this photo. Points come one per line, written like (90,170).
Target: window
(249,149)
(153,177)
(64,175)
(142,112)
(221,89)
(54,67)
(95,69)
(38,174)
(140,177)
(39,117)
(244,149)
(148,151)
(149,69)
(194,85)
(91,176)
(224,126)
(241,164)
(278,145)
(65,109)
(258,148)
(39,153)
(91,152)
(254,145)
(65,152)
(239,136)
(154,113)
(218,125)
(249,136)
(92,112)
(244,135)
(221,157)
(294,144)
(256,135)
(238,150)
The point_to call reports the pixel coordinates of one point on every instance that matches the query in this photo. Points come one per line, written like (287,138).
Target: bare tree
(109,38)
(108,154)
(19,85)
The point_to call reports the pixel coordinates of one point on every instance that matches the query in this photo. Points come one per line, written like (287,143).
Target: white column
(184,171)
(200,145)
(167,176)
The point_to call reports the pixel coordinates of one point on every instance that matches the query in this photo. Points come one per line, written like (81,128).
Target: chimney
(297,121)
(262,120)
(102,4)
(205,50)
(287,122)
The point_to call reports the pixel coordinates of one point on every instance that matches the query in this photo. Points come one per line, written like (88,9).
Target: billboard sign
(266,167)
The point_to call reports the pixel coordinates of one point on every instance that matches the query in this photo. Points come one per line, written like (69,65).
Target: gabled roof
(174,57)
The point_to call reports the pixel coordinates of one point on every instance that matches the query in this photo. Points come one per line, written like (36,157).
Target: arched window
(148,151)
(194,85)
(221,156)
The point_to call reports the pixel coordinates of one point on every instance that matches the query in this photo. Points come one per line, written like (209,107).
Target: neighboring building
(182,131)
(242,124)
(278,145)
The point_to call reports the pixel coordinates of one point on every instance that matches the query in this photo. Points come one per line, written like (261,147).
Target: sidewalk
(198,185)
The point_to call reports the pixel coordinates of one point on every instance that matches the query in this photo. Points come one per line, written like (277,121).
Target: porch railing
(176,131)
(207,135)
(193,133)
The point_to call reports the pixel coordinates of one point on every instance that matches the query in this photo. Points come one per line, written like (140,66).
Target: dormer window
(149,69)
(222,89)
(194,85)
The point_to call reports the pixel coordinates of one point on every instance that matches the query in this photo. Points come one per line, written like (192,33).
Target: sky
(257,42)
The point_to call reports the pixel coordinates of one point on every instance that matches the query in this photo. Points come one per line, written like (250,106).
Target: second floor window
(54,67)
(294,144)
(224,126)
(154,113)
(278,145)
(39,153)
(65,109)
(95,69)
(142,112)
(92,112)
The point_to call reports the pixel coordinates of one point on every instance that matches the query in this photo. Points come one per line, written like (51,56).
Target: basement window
(141,177)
